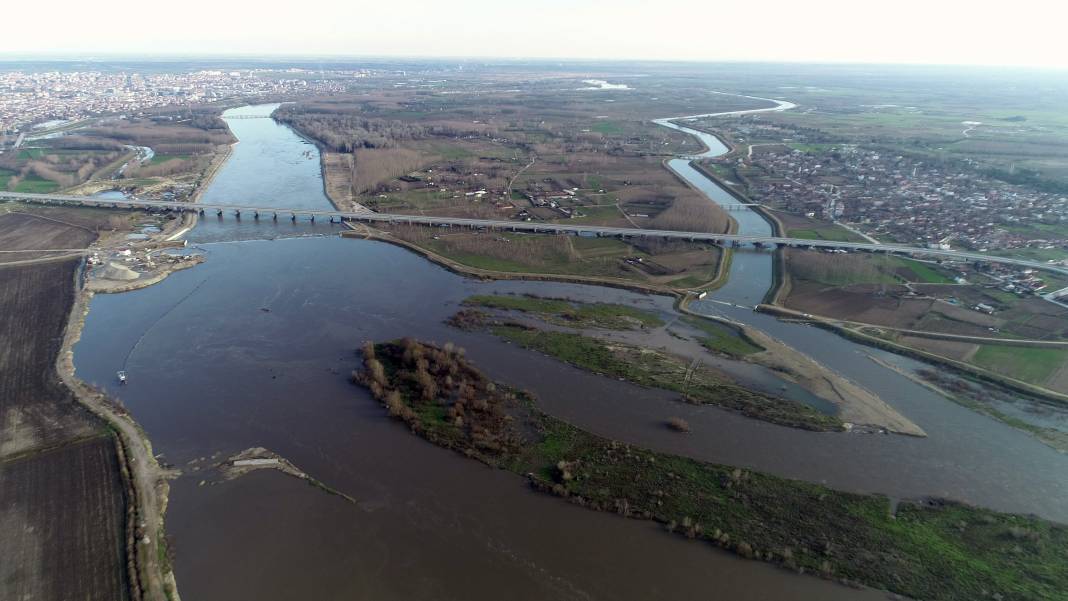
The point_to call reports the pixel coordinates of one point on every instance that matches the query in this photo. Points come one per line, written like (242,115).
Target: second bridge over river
(366,216)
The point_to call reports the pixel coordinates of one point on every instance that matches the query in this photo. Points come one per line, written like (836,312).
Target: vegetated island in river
(632,359)
(933,549)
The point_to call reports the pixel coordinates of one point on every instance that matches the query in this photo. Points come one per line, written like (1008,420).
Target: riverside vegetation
(932,549)
(578,314)
(643,366)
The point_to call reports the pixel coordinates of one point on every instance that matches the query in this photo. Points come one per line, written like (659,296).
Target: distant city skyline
(1025,33)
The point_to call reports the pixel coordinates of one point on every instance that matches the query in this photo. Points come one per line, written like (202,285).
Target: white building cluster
(29,98)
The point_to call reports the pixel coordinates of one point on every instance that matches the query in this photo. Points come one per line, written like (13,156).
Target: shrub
(678,424)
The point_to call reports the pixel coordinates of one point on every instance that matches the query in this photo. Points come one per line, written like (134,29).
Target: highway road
(250,211)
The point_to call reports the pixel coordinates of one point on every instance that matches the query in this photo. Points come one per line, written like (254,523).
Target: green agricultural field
(479,261)
(1034,365)
(596,215)
(32,153)
(840,270)
(923,273)
(608,128)
(33,184)
(163,158)
(835,233)
(1034,254)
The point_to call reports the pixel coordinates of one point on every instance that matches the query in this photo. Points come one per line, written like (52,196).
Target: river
(252,348)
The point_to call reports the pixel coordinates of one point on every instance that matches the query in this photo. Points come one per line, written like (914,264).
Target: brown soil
(337,178)
(25,232)
(891,307)
(62,503)
(961,351)
(36,410)
(62,523)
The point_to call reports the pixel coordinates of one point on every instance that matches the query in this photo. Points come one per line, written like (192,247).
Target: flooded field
(254,348)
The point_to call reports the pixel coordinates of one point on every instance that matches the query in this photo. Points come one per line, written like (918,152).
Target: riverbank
(151,576)
(916,549)
(968,396)
(103,285)
(657,368)
(146,542)
(938,360)
(368,233)
(633,358)
(856,404)
(232,344)
(781,286)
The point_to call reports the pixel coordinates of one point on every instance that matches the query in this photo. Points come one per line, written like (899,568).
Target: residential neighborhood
(893,197)
(38,101)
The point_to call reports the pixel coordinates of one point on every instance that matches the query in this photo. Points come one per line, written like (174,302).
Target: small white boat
(122,377)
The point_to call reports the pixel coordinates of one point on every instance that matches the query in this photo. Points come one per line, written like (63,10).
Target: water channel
(253,348)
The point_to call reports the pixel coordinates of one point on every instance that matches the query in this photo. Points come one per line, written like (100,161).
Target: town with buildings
(891,197)
(41,100)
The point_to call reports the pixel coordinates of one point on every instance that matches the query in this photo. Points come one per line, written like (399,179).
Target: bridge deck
(524,226)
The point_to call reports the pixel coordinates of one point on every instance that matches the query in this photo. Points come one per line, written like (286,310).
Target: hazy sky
(1019,32)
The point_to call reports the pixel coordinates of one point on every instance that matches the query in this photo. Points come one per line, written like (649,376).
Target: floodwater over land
(253,348)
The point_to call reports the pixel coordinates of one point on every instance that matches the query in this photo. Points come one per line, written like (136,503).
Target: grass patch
(846,269)
(158,159)
(924,273)
(836,234)
(575,313)
(723,339)
(1030,364)
(34,184)
(608,128)
(33,153)
(452,152)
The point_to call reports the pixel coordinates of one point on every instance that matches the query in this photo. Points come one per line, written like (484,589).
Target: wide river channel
(254,348)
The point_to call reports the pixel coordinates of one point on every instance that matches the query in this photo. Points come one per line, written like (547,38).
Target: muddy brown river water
(253,348)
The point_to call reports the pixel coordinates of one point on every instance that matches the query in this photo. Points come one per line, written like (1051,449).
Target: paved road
(250,211)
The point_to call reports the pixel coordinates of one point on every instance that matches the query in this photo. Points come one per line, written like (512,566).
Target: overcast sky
(1018,32)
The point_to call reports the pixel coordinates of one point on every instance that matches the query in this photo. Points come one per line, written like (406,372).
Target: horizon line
(63,56)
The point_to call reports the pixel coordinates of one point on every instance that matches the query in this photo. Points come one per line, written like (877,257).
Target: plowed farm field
(62,494)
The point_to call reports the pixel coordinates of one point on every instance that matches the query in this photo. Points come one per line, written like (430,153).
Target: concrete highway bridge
(248,117)
(367,216)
